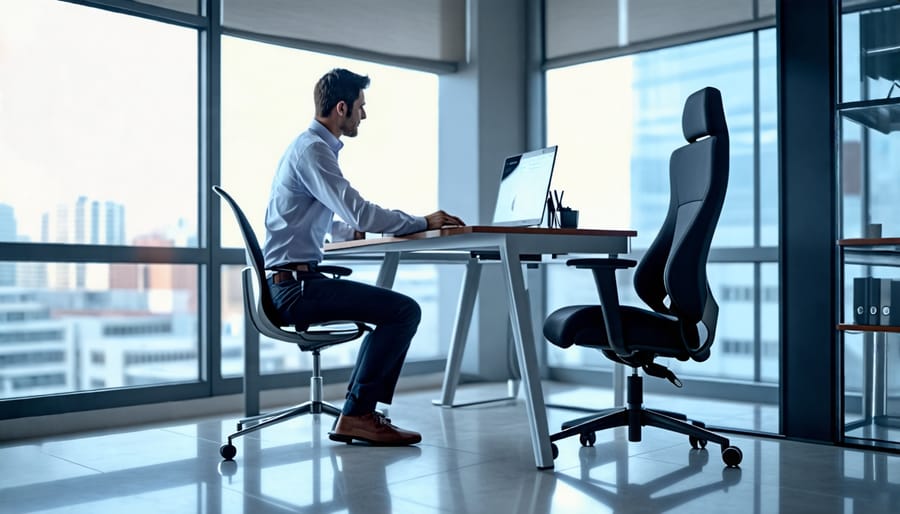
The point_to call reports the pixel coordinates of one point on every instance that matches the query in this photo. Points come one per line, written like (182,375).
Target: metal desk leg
(388,270)
(464,310)
(520,313)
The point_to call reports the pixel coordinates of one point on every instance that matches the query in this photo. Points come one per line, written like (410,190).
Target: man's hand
(442,219)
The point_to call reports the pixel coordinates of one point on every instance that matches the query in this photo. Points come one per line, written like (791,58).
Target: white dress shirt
(308,190)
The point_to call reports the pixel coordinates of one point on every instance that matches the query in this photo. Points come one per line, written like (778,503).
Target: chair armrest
(604,271)
(601,263)
(336,271)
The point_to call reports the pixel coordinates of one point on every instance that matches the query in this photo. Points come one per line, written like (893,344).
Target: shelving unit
(868,168)
(871,422)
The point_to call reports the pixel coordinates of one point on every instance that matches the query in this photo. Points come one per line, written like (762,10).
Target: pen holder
(568,218)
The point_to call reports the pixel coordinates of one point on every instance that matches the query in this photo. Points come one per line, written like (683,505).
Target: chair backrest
(671,277)
(268,320)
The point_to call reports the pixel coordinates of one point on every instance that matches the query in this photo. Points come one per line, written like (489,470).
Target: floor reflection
(662,492)
(472,460)
(322,476)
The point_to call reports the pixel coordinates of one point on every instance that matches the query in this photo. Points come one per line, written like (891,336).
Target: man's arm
(440,219)
(320,173)
(341,231)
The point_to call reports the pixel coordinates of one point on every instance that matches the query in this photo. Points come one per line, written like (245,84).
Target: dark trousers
(314,298)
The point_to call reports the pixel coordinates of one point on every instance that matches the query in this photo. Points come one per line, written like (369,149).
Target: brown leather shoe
(372,428)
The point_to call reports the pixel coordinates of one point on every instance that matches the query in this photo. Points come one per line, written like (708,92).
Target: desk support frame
(526,350)
(511,244)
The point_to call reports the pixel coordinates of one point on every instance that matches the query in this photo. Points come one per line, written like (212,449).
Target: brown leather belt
(283,274)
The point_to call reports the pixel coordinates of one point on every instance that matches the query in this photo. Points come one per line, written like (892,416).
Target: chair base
(315,405)
(635,416)
(271,418)
(228,450)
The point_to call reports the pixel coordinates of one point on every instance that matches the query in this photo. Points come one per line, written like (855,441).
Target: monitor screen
(524,183)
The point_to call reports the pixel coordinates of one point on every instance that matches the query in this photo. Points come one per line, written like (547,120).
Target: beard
(350,130)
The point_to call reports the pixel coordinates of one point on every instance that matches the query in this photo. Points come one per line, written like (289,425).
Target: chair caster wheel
(587,438)
(732,456)
(227,451)
(697,443)
(554,450)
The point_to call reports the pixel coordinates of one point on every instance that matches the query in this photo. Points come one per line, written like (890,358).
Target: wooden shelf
(870,241)
(847,327)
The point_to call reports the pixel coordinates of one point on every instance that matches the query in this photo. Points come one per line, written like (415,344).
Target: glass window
(615,170)
(770,324)
(68,326)
(768,140)
(419,281)
(98,125)
(267,100)
(734,347)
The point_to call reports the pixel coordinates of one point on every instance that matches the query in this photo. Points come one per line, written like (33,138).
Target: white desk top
(469,238)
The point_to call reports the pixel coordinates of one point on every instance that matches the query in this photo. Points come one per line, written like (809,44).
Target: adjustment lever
(658,370)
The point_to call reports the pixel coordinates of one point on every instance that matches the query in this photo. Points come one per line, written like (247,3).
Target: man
(308,190)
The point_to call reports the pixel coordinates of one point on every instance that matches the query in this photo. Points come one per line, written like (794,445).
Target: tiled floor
(472,460)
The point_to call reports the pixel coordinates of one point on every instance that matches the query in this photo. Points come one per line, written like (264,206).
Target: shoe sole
(341,438)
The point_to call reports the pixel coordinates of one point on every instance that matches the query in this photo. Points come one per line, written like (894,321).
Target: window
(117,329)
(99,122)
(618,121)
(267,100)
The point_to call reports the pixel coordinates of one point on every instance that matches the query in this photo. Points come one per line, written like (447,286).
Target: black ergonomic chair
(258,304)
(671,279)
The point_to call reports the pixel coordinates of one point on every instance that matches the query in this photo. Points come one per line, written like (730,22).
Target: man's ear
(341,108)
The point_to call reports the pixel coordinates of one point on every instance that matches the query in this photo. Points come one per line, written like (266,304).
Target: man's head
(340,100)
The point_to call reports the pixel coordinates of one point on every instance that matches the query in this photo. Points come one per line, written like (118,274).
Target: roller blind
(582,26)
(433,30)
(186,6)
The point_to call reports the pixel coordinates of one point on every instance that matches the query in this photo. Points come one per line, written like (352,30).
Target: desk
(510,246)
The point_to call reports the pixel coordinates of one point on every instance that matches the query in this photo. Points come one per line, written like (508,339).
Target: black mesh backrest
(254,254)
(671,277)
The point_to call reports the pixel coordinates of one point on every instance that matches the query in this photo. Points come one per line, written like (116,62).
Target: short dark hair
(335,86)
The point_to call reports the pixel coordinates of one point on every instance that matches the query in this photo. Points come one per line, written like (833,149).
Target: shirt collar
(334,143)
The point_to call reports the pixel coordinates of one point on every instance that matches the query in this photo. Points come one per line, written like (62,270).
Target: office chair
(671,279)
(314,338)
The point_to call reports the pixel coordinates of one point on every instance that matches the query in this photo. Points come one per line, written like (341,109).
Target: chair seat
(645,330)
(327,334)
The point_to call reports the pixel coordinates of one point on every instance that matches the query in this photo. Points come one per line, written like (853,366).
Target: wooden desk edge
(477,229)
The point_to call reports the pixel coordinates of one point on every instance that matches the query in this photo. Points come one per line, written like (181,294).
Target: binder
(861,301)
(874,308)
(890,303)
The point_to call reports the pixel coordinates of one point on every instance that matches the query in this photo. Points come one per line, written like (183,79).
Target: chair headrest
(704,115)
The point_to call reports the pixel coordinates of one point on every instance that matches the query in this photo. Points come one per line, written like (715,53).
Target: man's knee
(410,311)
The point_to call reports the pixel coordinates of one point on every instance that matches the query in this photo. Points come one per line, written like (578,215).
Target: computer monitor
(524,183)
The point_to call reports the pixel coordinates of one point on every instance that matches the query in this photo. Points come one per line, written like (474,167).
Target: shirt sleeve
(341,231)
(322,176)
